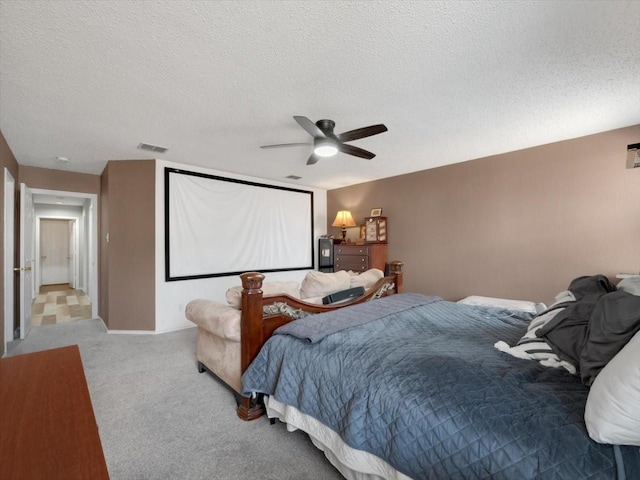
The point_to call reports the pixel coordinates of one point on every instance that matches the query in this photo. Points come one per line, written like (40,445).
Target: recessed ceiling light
(62,159)
(293,177)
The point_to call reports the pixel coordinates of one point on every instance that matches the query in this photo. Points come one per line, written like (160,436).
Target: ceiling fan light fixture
(327,144)
(325,148)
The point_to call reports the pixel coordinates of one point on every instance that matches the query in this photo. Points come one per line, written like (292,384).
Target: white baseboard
(149,332)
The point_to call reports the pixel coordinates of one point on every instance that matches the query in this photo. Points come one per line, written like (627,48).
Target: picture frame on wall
(376,212)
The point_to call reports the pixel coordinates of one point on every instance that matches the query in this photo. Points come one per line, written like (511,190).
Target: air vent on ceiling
(293,177)
(633,155)
(152,148)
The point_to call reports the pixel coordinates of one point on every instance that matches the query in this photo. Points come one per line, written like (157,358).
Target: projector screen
(217,226)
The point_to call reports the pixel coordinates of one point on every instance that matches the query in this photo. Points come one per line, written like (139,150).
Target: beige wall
(517,225)
(48,179)
(128,258)
(9,161)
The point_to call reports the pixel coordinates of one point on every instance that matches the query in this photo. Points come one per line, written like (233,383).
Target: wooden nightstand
(360,258)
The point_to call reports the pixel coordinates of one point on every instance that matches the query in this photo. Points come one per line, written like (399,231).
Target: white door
(54,251)
(27,249)
(9,244)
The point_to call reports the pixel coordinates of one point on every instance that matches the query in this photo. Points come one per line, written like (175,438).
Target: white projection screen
(216,226)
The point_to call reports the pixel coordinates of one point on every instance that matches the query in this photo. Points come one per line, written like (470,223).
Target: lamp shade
(343,219)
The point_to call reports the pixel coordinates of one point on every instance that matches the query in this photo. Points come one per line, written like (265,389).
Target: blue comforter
(425,390)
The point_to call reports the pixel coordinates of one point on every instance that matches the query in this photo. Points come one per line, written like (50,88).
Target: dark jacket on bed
(590,331)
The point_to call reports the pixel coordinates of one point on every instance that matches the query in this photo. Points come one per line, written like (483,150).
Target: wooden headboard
(261,316)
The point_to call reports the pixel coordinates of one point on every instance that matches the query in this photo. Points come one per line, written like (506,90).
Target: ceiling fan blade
(362,132)
(355,151)
(313,159)
(278,145)
(311,128)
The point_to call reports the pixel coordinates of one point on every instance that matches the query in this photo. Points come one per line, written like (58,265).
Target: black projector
(343,295)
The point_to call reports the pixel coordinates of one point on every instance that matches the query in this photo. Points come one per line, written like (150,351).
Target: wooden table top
(47,426)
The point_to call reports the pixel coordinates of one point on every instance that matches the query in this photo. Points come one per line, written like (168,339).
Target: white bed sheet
(353,464)
(522,305)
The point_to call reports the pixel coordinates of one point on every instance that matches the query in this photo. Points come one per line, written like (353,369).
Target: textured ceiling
(214,80)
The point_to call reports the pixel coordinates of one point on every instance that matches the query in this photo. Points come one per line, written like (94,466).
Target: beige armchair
(218,340)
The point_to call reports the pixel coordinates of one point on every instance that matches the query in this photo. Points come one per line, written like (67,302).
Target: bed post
(395,268)
(250,336)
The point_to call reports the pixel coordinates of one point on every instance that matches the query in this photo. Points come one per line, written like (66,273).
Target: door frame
(75,253)
(90,210)
(27,252)
(9,255)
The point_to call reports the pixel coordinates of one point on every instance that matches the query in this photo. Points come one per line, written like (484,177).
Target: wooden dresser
(360,258)
(48,430)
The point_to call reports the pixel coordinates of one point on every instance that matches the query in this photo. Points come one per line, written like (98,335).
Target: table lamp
(344,220)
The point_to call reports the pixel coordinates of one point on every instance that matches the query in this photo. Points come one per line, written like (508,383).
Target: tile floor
(59,304)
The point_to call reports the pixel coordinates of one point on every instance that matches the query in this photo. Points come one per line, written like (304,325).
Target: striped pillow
(531,347)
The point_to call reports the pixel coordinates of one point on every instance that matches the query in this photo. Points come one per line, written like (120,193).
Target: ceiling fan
(327,144)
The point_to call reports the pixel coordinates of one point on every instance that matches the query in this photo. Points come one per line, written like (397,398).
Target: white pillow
(366,279)
(234,294)
(612,413)
(522,305)
(630,285)
(320,284)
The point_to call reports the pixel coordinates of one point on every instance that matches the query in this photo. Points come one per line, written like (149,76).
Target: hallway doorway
(66,242)
(53,204)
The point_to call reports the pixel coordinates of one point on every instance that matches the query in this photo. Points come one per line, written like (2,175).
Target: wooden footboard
(261,316)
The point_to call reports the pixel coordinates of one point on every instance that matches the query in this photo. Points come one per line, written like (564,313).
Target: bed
(411,386)
(261,315)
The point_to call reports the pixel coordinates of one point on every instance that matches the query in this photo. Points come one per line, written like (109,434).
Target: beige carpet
(159,419)
(59,304)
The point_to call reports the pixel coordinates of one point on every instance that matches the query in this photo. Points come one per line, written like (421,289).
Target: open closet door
(27,227)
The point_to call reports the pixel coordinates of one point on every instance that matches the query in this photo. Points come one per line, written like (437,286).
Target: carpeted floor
(160,419)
